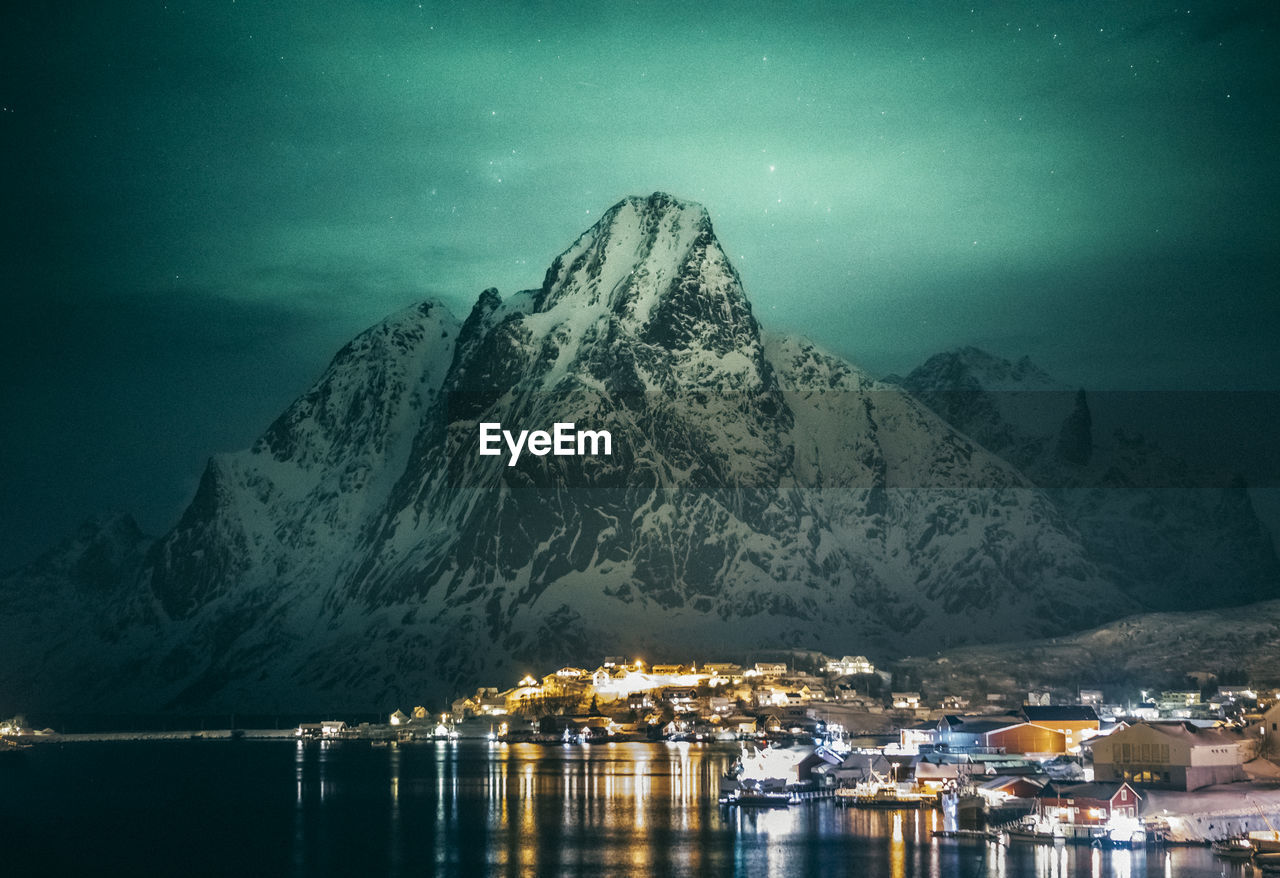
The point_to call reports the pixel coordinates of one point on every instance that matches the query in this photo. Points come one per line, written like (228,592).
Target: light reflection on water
(476,809)
(650,808)
(641,809)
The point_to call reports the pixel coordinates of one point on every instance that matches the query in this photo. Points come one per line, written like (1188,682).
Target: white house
(770,670)
(1171,755)
(849,665)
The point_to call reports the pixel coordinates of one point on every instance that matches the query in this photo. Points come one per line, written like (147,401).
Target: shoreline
(175,735)
(1194,818)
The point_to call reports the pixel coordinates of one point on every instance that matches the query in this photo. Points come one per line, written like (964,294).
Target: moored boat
(884,796)
(1036,836)
(1265,841)
(1235,848)
(1033,829)
(758,799)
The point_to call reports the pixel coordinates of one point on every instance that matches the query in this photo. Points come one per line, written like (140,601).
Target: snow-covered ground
(1215,812)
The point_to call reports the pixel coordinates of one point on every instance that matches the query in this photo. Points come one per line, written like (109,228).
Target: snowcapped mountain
(759,493)
(1170,535)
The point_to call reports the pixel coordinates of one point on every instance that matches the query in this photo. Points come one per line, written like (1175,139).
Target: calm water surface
(277,808)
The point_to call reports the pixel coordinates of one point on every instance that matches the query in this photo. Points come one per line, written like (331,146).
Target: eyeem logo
(562,441)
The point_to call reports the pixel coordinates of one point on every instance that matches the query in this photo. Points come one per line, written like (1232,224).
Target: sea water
(470,809)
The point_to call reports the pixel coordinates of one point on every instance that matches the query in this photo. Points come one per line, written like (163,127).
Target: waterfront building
(1076,722)
(1027,738)
(853,769)
(330,728)
(912,738)
(970,732)
(1179,756)
(1003,788)
(1090,804)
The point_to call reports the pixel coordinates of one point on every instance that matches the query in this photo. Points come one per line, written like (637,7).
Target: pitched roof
(1191,732)
(1004,781)
(1103,791)
(979,722)
(985,726)
(875,760)
(1060,713)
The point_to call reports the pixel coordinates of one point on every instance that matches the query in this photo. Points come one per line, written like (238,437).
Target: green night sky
(205,200)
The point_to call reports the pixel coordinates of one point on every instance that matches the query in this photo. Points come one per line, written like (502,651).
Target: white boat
(889,796)
(1236,848)
(1034,829)
(1266,841)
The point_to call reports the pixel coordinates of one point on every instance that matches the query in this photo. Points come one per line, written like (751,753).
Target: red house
(1089,803)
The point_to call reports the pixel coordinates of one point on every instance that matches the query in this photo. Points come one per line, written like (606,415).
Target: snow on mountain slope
(759,493)
(1171,535)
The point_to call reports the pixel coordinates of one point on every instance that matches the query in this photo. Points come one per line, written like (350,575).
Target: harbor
(471,807)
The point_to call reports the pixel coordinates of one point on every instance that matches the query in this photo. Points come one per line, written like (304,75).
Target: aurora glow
(208,199)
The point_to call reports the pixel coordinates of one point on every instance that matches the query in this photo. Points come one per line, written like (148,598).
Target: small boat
(1265,841)
(887,796)
(1127,838)
(760,799)
(752,795)
(1235,848)
(1033,829)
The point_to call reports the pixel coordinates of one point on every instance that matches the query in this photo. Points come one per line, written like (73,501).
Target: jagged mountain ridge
(761,493)
(1170,535)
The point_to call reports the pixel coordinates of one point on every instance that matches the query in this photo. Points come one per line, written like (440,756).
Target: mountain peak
(972,368)
(661,201)
(639,238)
(644,299)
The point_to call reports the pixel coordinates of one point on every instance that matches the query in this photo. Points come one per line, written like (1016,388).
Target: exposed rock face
(1170,535)
(760,493)
(1075,439)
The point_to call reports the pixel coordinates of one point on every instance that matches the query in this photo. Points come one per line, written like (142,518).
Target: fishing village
(1174,767)
(1185,766)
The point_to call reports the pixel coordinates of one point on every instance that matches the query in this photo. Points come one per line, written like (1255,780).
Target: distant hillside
(1151,650)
